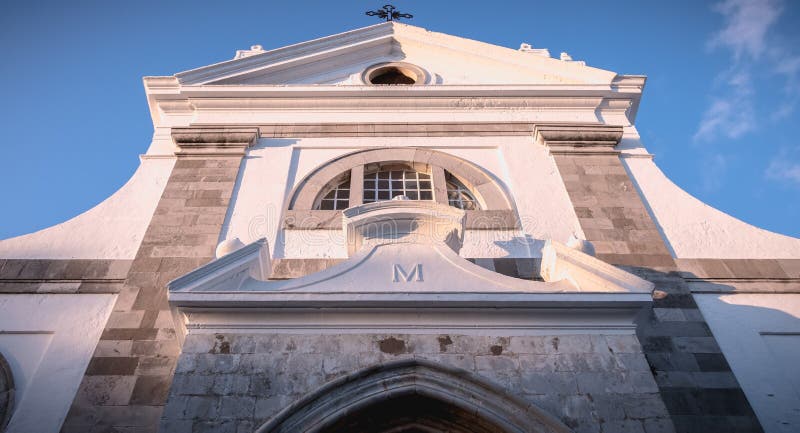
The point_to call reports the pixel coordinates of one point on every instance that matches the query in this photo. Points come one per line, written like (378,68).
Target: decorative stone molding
(419,75)
(403,220)
(562,263)
(496,204)
(464,393)
(6,393)
(214,141)
(579,139)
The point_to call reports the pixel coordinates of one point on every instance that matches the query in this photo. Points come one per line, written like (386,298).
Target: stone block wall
(126,382)
(696,384)
(236,382)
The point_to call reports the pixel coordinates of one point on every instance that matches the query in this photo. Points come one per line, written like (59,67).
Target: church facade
(397,230)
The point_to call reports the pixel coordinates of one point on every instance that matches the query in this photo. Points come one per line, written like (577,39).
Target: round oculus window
(396,73)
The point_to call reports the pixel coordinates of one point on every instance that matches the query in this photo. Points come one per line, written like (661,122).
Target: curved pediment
(342,59)
(408,251)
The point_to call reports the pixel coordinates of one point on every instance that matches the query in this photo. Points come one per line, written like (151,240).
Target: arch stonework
(462,391)
(497,206)
(492,196)
(6,393)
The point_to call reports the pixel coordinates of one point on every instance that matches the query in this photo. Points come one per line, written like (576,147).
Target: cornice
(343,41)
(213,141)
(579,139)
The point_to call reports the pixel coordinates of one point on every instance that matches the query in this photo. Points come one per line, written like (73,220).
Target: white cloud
(785,168)
(746,34)
(746,25)
(731,115)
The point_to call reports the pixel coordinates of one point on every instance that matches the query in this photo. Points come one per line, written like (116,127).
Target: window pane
(412,195)
(424,176)
(369,195)
(425,184)
(425,195)
(342,204)
(383,195)
(383,175)
(369,184)
(383,184)
(327,205)
(343,193)
(397,184)
(331,194)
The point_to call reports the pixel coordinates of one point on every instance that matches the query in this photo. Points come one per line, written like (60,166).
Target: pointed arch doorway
(412,396)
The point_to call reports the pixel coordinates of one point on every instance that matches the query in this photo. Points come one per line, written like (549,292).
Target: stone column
(126,383)
(610,211)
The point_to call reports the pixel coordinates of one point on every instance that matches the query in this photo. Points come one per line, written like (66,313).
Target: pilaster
(608,207)
(127,380)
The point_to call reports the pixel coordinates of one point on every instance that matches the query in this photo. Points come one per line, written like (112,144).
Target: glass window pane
(411,184)
(330,194)
(425,195)
(424,176)
(342,204)
(326,205)
(383,175)
(343,193)
(425,184)
(383,195)
(383,184)
(369,195)
(397,184)
(369,184)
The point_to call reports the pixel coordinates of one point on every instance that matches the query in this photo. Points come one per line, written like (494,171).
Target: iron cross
(389,13)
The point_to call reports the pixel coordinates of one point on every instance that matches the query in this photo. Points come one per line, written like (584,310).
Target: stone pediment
(408,252)
(406,274)
(340,59)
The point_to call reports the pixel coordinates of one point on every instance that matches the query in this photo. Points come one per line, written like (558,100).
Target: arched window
(392,181)
(458,195)
(337,198)
(377,174)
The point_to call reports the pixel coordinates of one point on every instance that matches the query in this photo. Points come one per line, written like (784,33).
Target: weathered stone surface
(134,362)
(590,382)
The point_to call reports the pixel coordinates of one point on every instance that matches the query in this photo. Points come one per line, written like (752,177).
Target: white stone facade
(550,150)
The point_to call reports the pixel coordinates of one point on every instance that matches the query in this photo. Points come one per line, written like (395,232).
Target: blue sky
(720,111)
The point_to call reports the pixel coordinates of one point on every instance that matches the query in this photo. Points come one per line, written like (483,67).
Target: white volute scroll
(584,272)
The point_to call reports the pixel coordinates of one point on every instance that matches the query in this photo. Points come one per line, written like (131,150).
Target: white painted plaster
(24,352)
(275,166)
(746,327)
(111,230)
(694,229)
(451,59)
(74,324)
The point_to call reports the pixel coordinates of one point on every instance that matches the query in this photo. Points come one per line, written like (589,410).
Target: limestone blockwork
(694,379)
(126,382)
(287,382)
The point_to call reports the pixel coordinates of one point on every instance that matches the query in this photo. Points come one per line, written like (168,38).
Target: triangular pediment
(341,59)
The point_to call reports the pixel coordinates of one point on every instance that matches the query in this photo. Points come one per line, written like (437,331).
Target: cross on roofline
(389,13)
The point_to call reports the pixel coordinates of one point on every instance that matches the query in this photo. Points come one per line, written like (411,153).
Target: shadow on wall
(743,373)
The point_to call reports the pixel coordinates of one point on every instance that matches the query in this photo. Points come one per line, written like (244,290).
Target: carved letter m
(398,274)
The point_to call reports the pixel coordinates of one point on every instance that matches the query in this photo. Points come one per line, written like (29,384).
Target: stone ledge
(579,139)
(214,141)
(397,129)
(332,220)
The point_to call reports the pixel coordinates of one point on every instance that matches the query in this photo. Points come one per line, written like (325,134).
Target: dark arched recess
(412,395)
